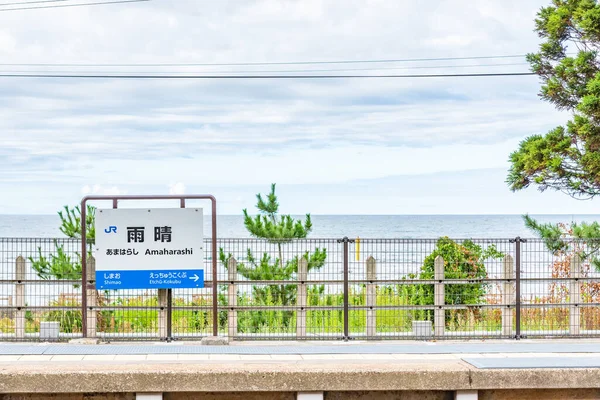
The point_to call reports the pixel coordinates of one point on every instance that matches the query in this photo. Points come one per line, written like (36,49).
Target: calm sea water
(392,261)
(337,226)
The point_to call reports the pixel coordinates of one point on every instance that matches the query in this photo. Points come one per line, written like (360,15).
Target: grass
(388,321)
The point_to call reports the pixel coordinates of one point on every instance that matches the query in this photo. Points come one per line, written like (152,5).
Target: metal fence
(312,289)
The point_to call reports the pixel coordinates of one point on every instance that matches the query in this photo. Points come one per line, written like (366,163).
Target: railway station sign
(158,248)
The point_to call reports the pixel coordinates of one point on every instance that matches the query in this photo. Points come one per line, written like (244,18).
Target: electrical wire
(72,5)
(261,63)
(32,2)
(98,72)
(262,76)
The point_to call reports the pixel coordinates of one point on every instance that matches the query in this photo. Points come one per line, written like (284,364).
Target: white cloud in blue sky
(334,146)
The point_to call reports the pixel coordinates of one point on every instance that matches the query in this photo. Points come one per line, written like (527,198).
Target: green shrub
(461,261)
(69,320)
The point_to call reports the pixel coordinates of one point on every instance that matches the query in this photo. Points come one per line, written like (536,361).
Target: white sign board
(149,248)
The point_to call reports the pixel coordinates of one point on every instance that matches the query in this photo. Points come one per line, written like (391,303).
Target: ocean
(393,260)
(337,226)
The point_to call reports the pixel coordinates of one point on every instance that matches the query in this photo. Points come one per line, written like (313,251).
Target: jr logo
(110,229)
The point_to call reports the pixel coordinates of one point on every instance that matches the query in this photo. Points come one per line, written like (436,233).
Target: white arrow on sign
(195,277)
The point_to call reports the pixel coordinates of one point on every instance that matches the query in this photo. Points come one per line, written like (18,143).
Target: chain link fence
(315,289)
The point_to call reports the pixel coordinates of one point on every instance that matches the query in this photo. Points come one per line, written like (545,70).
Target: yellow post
(357,248)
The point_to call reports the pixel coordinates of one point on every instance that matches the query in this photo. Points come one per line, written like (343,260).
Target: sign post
(149,248)
(87,283)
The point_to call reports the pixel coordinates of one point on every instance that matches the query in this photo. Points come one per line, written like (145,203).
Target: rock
(85,341)
(49,330)
(214,341)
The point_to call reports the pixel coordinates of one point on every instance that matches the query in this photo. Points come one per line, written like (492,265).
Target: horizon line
(354,215)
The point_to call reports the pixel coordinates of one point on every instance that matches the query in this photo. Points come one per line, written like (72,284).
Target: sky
(363,146)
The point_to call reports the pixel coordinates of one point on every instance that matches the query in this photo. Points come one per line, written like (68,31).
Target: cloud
(177,188)
(101,190)
(59,135)
(7,43)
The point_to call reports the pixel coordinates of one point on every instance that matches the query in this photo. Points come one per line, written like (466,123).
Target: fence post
(232,298)
(517,242)
(301,299)
(575,296)
(345,256)
(371,298)
(162,313)
(439,297)
(20,298)
(508,296)
(92,297)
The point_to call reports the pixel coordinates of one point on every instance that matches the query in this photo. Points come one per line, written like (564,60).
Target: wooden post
(301,299)
(439,297)
(371,298)
(508,296)
(20,298)
(92,297)
(232,298)
(9,303)
(575,296)
(162,313)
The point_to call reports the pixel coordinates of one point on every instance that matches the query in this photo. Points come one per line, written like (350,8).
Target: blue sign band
(165,279)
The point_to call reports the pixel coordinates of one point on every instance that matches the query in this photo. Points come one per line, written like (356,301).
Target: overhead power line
(21,3)
(71,5)
(100,72)
(260,63)
(57,76)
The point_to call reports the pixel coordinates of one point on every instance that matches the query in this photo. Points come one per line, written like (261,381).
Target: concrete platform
(575,361)
(287,347)
(420,368)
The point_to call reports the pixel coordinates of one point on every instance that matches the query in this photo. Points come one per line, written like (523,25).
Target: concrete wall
(540,394)
(523,394)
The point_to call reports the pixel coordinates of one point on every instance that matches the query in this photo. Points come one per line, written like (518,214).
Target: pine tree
(581,238)
(278,229)
(567,158)
(60,265)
